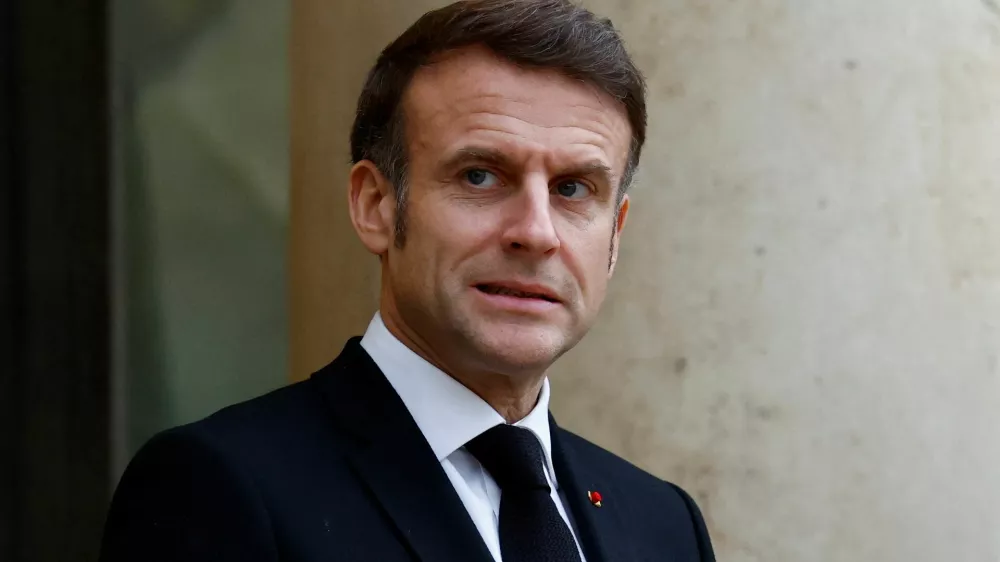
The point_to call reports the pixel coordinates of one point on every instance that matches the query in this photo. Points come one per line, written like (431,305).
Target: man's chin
(525,349)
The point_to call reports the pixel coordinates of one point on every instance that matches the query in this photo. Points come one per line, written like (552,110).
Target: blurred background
(804,329)
(200,97)
(145,234)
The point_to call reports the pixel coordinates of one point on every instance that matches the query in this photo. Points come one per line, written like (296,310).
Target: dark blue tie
(531,529)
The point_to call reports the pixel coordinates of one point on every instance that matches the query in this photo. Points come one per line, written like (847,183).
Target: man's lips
(518,290)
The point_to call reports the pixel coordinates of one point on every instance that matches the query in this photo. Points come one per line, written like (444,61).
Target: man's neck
(513,404)
(513,397)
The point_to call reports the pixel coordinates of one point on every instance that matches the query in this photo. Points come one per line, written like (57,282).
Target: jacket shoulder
(278,411)
(264,436)
(623,471)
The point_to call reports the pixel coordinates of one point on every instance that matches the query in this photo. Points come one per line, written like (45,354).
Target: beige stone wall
(805,327)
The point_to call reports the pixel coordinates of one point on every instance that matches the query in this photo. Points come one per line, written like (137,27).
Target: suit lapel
(599,529)
(393,458)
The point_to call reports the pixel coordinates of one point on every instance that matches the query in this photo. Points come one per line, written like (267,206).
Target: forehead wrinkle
(493,123)
(595,118)
(598,112)
(522,147)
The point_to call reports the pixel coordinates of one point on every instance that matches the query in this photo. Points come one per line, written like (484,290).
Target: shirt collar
(448,414)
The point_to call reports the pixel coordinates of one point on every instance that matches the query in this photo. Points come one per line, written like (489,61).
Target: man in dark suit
(493,147)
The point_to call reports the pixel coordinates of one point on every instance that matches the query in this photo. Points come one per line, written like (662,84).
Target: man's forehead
(474,89)
(469,75)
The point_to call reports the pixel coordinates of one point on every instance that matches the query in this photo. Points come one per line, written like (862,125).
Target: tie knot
(513,456)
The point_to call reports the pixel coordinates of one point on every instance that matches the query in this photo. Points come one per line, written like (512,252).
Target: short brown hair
(548,34)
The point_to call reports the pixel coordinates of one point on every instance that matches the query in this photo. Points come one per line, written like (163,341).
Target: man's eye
(572,189)
(481,178)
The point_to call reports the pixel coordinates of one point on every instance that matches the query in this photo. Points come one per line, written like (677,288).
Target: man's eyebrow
(478,154)
(590,168)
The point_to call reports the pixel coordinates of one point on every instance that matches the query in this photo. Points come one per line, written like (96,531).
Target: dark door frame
(55,281)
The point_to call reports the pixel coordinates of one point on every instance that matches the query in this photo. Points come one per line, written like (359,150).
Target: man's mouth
(493,289)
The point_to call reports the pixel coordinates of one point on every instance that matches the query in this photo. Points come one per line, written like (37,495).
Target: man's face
(511,212)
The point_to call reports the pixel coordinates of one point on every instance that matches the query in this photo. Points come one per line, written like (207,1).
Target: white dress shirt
(450,415)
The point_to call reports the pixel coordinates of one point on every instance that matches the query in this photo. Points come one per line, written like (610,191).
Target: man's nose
(530,227)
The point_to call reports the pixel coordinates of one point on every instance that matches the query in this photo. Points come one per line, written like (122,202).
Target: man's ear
(372,204)
(620,219)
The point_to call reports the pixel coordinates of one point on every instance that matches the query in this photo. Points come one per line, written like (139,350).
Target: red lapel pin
(595,498)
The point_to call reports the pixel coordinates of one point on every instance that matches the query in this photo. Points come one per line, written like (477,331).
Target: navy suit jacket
(335,469)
